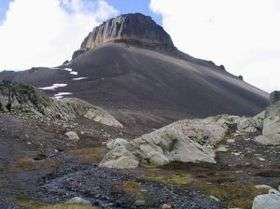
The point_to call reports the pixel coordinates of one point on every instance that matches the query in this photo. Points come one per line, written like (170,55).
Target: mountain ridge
(144,86)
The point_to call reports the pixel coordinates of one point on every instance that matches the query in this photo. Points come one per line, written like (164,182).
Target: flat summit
(130,67)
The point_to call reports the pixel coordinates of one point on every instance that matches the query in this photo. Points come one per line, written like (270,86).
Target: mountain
(130,67)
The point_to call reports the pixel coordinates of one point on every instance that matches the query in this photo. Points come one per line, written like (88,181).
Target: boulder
(271,126)
(184,141)
(72,136)
(120,157)
(166,206)
(267,201)
(78,200)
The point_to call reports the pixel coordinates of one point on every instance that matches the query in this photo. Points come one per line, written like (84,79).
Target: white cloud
(242,35)
(46,32)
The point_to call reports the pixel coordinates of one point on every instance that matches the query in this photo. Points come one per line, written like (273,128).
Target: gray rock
(72,136)
(183,141)
(266,201)
(26,99)
(120,157)
(166,206)
(263,186)
(271,126)
(78,200)
(140,203)
(122,29)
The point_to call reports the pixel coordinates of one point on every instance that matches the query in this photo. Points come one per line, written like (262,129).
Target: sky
(241,35)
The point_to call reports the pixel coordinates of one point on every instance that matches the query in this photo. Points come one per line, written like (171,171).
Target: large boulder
(267,201)
(271,126)
(184,141)
(121,157)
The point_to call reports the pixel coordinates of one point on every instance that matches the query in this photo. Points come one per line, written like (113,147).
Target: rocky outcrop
(71,108)
(184,141)
(23,99)
(193,140)
(132,28)
(271,124)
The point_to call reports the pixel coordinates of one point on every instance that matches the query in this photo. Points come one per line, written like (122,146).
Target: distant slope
(142,86)
(138,75)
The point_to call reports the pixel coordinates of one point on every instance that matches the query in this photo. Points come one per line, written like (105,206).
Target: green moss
(178,178)
(233,196)
(89,155)
(132,187)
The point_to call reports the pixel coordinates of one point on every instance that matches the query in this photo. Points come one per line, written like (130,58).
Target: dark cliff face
(130,28)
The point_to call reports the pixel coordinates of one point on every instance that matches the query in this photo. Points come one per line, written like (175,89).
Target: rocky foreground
(53,154)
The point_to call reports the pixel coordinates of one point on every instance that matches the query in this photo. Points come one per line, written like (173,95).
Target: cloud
(242,35)
(46,32)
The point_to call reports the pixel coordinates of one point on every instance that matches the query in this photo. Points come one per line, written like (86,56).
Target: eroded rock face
(130,28)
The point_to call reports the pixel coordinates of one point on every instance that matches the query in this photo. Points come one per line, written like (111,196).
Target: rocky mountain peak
(129,28)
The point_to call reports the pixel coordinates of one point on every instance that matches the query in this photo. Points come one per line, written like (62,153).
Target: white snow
(79,78)
(71,71)
(68,69)
(60,95)
(63,94)
(54,86)
(74,73)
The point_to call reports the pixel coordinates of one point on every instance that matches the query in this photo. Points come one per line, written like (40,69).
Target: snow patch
(54,86)
(79,78)
(74,73)
(60,95)
(71,71)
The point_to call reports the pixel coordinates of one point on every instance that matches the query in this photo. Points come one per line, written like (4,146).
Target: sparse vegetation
(89,155)
(232,195)
(32,204)
(20,95)
(178,178)
(29,164)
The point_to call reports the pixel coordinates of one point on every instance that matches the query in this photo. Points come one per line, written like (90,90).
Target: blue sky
(123,6)
(3,8)
(132,6)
